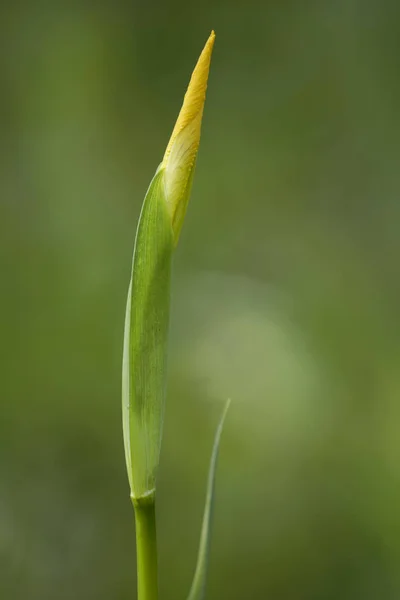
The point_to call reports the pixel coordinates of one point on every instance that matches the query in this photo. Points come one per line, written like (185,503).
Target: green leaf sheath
(197,591)
(146,339)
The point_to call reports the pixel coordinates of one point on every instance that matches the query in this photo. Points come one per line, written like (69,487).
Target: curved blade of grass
(197,591)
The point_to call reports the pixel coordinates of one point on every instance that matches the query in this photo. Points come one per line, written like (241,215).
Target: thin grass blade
(197,591)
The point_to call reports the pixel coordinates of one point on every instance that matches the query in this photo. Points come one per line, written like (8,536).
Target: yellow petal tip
(195,96)
(180,155)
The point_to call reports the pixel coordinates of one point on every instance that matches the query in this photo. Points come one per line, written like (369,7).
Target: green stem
(146,547)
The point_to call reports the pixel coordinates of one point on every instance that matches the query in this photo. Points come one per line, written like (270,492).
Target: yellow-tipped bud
(147,311)
(180,156)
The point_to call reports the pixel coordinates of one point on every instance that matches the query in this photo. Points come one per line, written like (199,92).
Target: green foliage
(198,588)
(145,341)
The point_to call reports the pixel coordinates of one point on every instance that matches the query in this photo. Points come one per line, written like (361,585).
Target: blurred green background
(285,295)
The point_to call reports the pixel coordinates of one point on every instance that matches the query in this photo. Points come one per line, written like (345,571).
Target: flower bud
(147,311)
(180,156)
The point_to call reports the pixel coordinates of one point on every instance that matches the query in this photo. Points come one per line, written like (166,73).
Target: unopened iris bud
(147,310)
(181,153)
